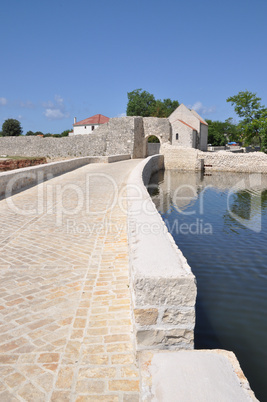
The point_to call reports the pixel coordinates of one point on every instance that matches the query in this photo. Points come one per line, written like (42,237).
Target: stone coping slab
(190,376)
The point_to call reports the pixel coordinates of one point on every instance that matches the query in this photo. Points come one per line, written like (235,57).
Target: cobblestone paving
(65,323)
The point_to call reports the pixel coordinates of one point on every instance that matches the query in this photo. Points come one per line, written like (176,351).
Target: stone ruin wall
(66,147)
(125,135)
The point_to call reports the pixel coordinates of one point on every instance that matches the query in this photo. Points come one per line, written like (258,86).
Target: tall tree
(164,108)
(11,127)
(142,103)
(220,132)
(254,115)
(65,133)
(216,133)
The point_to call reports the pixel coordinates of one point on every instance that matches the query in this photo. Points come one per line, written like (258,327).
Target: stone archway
(152,145)
(158,127)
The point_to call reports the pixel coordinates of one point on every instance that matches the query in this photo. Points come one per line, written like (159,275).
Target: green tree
(11,127)
(164,108)
(142,103)
(221,132)
(170,106)
(153,139)
(232,131)
(254,116)
(30,133)
(264,142)
(65,133)
(216,133)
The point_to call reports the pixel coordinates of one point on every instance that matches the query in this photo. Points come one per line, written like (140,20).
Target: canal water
(219,222)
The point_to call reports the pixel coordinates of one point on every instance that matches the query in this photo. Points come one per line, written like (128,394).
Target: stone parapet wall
(15,180)
(162,285)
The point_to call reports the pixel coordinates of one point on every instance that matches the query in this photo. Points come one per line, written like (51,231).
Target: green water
(220,224)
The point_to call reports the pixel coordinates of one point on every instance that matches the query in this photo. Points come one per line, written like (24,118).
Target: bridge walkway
(65,325)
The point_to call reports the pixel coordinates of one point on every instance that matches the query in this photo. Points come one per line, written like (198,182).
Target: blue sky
(61,58)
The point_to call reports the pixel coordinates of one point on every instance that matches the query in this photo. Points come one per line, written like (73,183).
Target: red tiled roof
(186,124)
(96,119)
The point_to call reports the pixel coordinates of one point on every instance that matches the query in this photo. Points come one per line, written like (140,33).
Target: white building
(87,126)
(188,128)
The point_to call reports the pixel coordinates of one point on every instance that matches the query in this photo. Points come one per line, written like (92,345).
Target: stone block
(146,316)
(179,336)
(151,337)
(179,317)
(179,291)
(159,338)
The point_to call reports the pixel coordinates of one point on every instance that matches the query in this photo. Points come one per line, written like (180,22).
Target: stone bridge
(92,287)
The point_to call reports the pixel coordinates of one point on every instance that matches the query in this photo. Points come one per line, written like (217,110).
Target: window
(93,127)
(177,136)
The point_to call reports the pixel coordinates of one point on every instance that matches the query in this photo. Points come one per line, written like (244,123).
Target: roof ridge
(95,119)
(186,124)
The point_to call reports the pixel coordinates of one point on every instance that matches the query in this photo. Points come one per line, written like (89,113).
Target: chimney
(75,120)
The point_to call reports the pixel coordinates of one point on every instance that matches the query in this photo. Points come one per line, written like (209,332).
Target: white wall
(184,114)
(192,118)
(186,136)
(84,129)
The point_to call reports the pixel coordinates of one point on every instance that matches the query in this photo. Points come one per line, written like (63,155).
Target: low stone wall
(255,162)
(162,285)
(181,158)
(15,180)
(192,159)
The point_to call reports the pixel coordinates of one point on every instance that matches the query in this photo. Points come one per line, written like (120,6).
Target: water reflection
(229,262)
(246,195)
